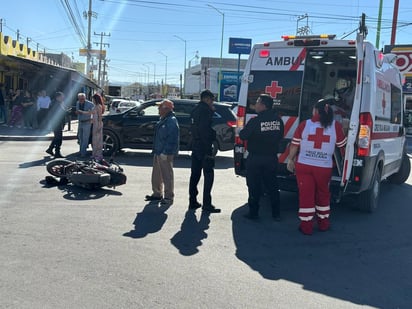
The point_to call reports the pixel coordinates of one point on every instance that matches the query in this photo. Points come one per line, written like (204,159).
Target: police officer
(57,117)
(203,137)
(263,134)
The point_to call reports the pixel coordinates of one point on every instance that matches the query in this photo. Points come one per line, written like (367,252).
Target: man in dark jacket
(203,137)
(57,118)
(263,134)
(165,148)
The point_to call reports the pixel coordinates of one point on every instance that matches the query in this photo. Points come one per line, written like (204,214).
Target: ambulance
(366,87)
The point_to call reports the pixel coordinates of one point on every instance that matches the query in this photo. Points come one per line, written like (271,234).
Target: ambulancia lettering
(280,61)
(270,126)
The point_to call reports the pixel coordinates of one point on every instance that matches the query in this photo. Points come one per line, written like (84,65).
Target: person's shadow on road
(149,221)
(191,233)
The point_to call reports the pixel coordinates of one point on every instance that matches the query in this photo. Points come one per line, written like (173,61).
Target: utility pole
(378,29)
(89,16)
(394,21)
(102,34)
(105,71)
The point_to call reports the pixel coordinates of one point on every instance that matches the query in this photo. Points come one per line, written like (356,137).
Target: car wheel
(110,143)
(368,200)
(403,174)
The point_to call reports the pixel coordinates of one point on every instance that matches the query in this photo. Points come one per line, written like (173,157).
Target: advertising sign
(240,46)
(229,86)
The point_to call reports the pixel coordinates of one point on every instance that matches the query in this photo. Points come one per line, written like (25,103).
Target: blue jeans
(83,134)
(3,113)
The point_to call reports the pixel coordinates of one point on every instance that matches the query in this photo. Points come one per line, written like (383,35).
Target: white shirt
(43,102)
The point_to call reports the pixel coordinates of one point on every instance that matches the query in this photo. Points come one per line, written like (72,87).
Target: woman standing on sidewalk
(97,128)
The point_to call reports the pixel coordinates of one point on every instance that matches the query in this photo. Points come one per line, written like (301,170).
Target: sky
(149,39)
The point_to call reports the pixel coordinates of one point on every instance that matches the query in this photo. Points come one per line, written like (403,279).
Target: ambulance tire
(368,200)
(403,174)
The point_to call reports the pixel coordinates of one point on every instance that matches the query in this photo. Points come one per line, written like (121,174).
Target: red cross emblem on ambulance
(274,89)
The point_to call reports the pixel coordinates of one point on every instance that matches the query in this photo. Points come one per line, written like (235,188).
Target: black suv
(135,127)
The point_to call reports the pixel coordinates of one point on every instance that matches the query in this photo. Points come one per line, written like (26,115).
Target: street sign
(240,46)
(93,52)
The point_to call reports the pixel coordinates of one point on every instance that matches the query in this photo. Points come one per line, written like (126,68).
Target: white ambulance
(367,89)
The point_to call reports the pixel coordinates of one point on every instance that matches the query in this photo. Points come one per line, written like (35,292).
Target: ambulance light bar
(308,37)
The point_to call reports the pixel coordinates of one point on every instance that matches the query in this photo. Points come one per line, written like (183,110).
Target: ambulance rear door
(354,119)
(277,71)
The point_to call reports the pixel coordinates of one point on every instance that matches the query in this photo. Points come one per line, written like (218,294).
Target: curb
(32,138)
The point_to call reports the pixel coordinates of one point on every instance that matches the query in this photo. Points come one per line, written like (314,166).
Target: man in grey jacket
(165,148)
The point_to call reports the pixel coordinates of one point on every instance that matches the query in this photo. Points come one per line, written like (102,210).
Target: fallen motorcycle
(86,174)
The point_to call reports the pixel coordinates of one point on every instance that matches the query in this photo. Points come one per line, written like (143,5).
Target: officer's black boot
(57,153)
(50,151)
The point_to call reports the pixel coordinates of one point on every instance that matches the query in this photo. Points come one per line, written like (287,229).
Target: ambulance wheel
(368,200)
(403,174)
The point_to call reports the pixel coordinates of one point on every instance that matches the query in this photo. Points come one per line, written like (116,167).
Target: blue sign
(240,46)
(229,86)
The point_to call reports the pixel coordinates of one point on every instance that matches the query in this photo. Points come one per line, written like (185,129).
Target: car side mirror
(133,113)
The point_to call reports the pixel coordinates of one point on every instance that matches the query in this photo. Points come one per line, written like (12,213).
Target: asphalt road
(66,247)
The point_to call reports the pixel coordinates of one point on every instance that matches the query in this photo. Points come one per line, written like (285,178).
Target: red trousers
(314,196)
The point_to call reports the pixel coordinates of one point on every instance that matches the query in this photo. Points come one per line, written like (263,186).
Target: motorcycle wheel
(57,167)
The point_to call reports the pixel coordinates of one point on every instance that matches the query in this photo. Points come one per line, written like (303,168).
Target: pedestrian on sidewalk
(29,111)
(43,105)
(165,148)
(16,117)
(57,117)
(3,107)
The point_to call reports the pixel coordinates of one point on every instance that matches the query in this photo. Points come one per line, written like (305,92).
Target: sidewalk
(21,134)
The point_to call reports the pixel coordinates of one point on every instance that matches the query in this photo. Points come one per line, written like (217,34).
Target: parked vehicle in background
(135,127)
(121,105)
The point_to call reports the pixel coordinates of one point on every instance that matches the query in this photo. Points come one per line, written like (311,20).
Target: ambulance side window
(396,105)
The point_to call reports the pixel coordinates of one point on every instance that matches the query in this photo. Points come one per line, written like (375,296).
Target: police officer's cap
(266,100)
(207,94)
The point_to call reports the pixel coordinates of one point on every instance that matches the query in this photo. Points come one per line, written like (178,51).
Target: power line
(73,21)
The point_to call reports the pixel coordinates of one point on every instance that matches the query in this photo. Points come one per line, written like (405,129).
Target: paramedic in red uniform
(262,134)
(316,139)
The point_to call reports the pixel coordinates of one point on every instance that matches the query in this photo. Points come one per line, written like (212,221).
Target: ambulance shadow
(149,221)
(363,259)
(191,233)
